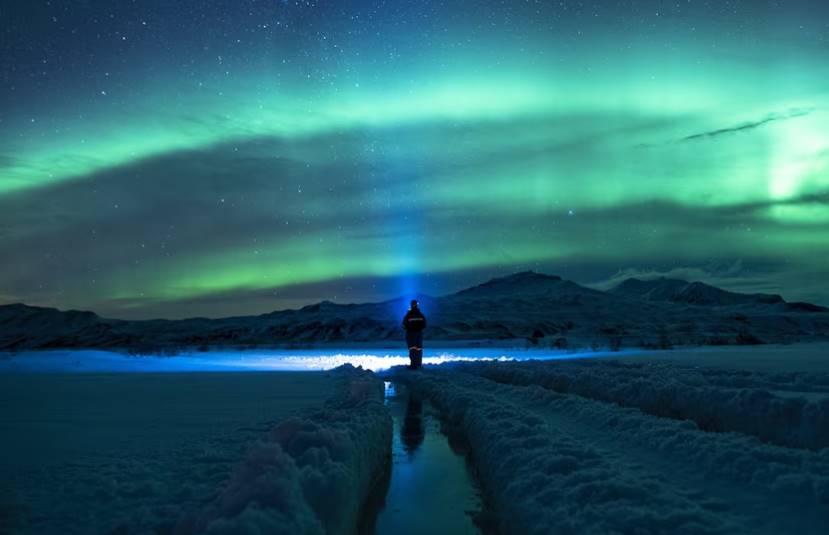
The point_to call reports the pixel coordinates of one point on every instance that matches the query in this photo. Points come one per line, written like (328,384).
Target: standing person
(414,322)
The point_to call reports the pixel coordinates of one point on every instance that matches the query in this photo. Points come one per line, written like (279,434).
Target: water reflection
(430,489)
(411,432)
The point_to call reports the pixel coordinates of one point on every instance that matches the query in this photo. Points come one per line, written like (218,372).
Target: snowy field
(91,453)
(702,440)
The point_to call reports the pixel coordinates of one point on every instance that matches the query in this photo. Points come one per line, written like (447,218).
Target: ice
(430,488)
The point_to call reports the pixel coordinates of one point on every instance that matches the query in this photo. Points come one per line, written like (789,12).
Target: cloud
(794,283)
(782,116)
(722,273)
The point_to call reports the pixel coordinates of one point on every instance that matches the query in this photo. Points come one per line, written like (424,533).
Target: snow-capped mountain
(694,293)
(522,309)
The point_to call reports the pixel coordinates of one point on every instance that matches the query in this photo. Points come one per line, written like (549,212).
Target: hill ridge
(524,307)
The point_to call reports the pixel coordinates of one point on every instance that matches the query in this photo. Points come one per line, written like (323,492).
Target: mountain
(523,283)
(526,308)
(661,289)
(693,293)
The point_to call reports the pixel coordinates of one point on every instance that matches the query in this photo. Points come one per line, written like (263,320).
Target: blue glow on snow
(96,361)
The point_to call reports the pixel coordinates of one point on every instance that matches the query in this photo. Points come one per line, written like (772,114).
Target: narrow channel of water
(430,489)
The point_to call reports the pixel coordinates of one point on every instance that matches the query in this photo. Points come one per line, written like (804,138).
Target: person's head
(413,304)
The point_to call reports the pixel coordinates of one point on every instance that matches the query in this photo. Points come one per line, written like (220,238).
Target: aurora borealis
(226,157)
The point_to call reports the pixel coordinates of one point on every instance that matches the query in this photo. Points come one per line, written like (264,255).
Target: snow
(657,445)
(313,472)
(90,453)
(784,358)
(699,440)
(98,361)
(71,418)
(714,399)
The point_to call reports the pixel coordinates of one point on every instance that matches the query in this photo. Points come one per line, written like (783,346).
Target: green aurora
(287,153)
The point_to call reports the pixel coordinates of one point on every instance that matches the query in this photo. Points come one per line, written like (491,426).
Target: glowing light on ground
(86,361)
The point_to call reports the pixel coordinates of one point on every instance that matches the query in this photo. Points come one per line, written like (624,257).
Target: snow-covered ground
(709,441)
(90,453)
(91,361)
(784,358)
(313,473)
(700,440)
(808,357)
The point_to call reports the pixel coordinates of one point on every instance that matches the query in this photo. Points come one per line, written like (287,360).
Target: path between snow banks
(313,473)
(558,463)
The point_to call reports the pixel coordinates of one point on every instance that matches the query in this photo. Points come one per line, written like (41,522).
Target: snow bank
(715,399)
(542,476)
(313,473)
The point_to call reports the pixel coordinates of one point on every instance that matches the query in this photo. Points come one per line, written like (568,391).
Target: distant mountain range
(527,308)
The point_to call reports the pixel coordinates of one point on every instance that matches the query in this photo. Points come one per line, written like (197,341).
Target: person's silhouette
(411,432)
(414,322)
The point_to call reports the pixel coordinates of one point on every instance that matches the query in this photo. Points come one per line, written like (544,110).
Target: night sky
(179,158)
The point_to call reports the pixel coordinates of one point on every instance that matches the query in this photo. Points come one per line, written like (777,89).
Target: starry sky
(220,157)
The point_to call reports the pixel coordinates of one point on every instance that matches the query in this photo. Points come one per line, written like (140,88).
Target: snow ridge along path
(715,399)
(313,473)
(564,463)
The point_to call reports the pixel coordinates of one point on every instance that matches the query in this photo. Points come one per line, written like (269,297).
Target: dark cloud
(782,116)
